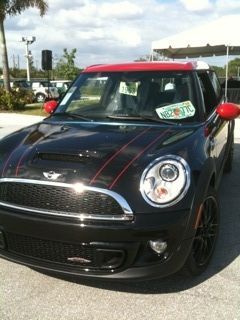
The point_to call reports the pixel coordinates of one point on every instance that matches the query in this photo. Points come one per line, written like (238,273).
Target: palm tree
(12,8)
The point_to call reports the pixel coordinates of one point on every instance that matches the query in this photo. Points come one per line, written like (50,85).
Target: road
(12,121)
(26,294)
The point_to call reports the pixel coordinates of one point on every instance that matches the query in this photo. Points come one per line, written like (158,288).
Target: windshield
(160,95)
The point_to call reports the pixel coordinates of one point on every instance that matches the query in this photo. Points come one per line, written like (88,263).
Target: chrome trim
(184,191)
(127,216)
(52,175)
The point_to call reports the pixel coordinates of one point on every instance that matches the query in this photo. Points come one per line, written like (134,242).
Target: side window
(216,85)
(209,94)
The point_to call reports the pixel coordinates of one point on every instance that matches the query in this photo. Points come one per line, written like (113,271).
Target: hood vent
(65,157)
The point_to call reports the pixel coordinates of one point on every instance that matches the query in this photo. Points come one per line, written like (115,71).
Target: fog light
(159,246)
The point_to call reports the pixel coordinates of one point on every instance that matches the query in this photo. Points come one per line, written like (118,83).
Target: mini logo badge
(51,175)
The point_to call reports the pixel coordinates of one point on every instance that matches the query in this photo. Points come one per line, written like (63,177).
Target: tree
(220,71)
(12,8)
(66,65)
(150,57)
(234,67)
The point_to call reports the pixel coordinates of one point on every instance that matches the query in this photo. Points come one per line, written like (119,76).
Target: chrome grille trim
(127,216)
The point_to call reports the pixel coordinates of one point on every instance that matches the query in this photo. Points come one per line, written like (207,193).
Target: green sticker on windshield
(129,88)
(179,110)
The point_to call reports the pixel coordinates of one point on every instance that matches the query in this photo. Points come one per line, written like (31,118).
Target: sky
(108,31)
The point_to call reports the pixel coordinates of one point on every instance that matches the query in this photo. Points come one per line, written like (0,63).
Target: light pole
(28,55)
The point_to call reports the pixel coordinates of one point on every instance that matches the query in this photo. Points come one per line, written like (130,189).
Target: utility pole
(28,55)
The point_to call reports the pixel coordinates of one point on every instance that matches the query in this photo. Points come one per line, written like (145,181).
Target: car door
(213,96)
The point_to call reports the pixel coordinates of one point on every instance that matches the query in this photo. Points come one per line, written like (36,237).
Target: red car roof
(143,66)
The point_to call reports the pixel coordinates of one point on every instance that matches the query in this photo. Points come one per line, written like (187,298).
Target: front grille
(60,199)
(81,255)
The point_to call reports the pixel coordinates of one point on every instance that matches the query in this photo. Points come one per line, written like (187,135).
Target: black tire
(40,97)
(229,161)
(206,236)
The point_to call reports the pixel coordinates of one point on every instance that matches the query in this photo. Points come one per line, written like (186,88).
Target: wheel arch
(206,178)
(212,182)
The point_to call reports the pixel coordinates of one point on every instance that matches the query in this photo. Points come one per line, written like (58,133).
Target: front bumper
(102,250)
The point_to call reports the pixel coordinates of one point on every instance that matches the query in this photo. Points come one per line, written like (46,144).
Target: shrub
(14,100)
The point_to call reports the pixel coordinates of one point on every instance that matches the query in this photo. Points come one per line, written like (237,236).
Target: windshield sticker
(129,88)
(179,110)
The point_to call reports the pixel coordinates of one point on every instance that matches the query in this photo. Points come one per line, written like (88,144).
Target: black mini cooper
(120,180)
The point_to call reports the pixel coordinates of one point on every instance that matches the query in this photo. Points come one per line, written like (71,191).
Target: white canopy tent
(218,37)
(206,40)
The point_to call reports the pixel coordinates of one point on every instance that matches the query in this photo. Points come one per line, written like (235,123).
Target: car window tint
(141,93)
(209,95)
(216,85)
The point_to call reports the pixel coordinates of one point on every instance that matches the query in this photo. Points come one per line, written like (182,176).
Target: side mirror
(228,111)
(50,106)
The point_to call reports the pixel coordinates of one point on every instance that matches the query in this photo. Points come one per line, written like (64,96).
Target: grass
(34,109)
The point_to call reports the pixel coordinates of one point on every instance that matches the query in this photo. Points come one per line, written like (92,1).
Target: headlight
(165,181)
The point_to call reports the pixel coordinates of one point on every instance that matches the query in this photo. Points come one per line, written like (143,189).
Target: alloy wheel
(207,231)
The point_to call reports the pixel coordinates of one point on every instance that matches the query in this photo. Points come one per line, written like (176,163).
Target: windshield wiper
(71,115)
(173,122)
(125,117)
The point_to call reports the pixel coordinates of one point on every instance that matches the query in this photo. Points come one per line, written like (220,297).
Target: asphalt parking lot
(26,294)
(10,122)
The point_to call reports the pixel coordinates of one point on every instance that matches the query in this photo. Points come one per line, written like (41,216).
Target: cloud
(121,10)
(108,30)
(227,6)
(197,5)
(55,5)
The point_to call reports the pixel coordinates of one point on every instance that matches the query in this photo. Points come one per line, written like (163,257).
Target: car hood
(96,154)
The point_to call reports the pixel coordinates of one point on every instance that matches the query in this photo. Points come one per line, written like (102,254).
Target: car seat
(182,93)
(149,95)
